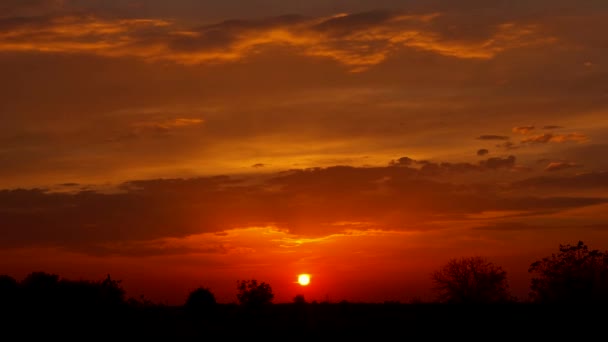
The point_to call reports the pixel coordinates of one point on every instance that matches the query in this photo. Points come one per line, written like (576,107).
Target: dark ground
(302,321)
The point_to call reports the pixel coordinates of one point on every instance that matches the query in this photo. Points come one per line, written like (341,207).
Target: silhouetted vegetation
(44,305)
(200,302)
(299,299)
(9,291)
(252,295)
(471,280)
(574,275)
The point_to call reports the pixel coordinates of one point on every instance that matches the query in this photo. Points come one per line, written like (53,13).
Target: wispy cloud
(557,166)
(555,138)
(355,40)
(492,137)
(523,129)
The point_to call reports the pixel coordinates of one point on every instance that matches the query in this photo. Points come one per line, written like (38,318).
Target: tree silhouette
(40,281)
(253,295)
(299,299)
(471,280)
(9,291)
(575,275)
(200,302)
(41,289)
(112,292)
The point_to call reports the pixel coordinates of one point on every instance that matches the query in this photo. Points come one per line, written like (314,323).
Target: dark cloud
(258,165)
(552,127)
(498,163)
(591,154)
(515,226)
(17,8)
(507,145)
(589,180)
(509,226)
(598,226)
(307,202)
(492,137)
(346,24)
(404,161)
(358,40)
(482,152)
(430,168)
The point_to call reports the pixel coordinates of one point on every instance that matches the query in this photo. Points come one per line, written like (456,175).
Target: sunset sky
(174,144)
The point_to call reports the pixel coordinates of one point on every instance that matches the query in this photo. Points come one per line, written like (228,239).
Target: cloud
(508,226)
(588,180)
(515,226)
(555,138)
(523,129)
(507,145)
(165,126)
(433,169)
(498,163)
(403,161)
(552,127)
(139,215)
(258,165)
(356,40)
(492,137)
(482,152)
(19,8)
(168,124)
(557,166)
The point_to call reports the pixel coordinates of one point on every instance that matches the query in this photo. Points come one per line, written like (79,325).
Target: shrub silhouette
(299,299)
(44,290)
(250,294)
(200,302)
(9,292)
(92,294)
(471,280)
(575,275)
(40,289)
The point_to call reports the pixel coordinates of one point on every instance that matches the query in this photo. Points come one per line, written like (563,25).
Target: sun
(304,279)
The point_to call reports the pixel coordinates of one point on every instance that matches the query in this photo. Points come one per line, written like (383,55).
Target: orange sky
(186,143)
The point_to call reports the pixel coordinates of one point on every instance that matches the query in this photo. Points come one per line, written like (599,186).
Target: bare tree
(471,280)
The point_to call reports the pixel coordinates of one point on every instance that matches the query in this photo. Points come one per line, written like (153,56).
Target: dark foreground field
(289,321)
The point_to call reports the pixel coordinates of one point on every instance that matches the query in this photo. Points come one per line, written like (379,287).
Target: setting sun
(304,279)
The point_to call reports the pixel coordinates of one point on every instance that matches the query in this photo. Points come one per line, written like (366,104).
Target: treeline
(574,275)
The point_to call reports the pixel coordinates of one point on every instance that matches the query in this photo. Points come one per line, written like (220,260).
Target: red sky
(187,143)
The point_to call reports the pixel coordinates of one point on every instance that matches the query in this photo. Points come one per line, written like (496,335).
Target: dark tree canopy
(200,301)
(252,294)
(574,275)
(299,299)
(40,289)
(9,290)
(471,280)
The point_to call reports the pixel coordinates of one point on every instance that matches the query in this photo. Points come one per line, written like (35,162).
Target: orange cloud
(355,40)
(556,166)
(556,138)
(166,125)
(523,129)
(154,216)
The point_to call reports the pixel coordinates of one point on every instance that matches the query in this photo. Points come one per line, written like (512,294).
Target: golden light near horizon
(304,279)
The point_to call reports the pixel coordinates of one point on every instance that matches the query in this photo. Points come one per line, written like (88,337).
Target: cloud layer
(407,195)
(356,40)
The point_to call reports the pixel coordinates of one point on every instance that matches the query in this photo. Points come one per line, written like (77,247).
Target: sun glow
(304,279)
